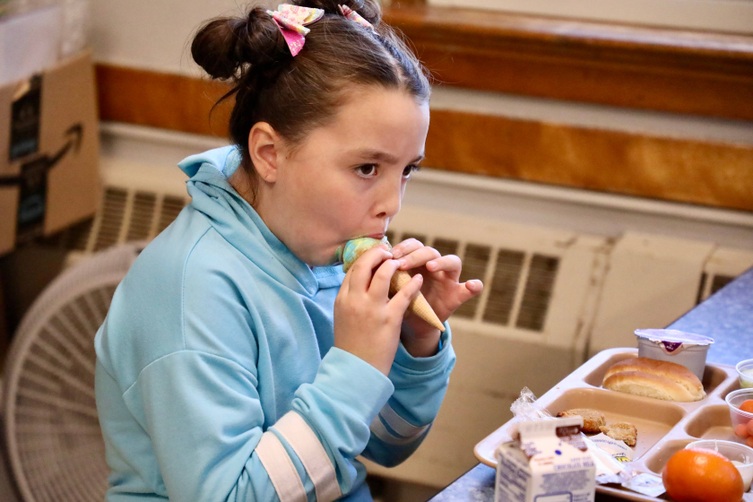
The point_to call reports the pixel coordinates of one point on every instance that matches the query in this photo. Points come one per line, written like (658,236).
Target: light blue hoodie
(216,374)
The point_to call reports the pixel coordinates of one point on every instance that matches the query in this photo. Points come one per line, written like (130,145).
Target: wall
(148,34)
(624,110)
(154,36)
(730,16)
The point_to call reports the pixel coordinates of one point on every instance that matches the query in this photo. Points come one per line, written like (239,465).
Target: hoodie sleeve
(210,406)
(202,432)
(208,435)
(420,387)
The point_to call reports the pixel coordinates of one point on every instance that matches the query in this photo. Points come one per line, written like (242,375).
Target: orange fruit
(747,405)
(695,475)
(742,430)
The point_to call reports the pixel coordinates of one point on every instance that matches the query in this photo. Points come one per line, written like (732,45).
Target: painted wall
(152,34)
(156,35)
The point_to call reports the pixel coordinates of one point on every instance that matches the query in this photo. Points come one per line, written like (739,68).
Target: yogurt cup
(688,349)
(745,373)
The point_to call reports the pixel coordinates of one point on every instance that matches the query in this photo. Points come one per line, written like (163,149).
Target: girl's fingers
(363,268)
(446,263)
(380,282)
(406,247)
(372,272)
(475,286)
(418,258)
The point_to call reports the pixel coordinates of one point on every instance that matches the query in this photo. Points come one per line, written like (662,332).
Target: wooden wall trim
(706,74)
(705,173)
(661,168)
(161,100)
(703,73)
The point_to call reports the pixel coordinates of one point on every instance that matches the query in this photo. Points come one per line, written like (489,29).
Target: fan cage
(53,440)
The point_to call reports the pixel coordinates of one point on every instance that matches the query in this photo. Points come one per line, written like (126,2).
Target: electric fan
(52,435)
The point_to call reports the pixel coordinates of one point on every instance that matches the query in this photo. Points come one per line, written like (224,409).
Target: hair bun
(370,10)
(225,46)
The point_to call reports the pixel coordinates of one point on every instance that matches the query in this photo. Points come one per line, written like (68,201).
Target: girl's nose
(390,199)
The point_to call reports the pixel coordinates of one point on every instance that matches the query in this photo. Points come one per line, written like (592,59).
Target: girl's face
(346,179)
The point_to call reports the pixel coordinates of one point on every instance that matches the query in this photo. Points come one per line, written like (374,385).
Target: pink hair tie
(292,21)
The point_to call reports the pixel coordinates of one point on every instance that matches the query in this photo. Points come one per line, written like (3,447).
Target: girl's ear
(264,150)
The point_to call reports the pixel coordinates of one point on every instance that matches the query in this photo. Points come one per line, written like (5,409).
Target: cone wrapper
(419,306)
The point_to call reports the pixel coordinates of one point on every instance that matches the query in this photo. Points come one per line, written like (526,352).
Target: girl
(238,361)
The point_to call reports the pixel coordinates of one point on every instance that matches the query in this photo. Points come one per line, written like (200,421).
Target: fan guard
(53,440)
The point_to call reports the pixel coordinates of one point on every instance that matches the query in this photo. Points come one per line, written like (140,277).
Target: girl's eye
(410,170)
(367,170)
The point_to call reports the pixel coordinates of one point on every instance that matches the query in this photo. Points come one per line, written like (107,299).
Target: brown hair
(296,94)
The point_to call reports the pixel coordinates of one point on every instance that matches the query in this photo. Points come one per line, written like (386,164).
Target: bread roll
(664,380)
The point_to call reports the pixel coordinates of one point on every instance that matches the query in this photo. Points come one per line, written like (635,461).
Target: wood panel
(709,74)
(162,100)
(706,173)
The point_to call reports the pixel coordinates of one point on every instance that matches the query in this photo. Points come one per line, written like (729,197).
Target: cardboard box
(549,463)
(49,152)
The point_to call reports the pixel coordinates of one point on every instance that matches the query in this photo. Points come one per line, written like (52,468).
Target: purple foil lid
(672,339)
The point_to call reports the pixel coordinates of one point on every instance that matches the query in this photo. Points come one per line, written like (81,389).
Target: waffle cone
(419,306)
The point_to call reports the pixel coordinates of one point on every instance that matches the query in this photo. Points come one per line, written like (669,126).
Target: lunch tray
(664,427)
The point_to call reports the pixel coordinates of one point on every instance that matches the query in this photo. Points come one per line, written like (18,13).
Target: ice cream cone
(419,306)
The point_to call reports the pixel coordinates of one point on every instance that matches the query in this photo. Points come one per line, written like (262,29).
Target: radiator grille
(519,282)
(124,216)
(537,293)
(503,286)
(114,208)
(142,215)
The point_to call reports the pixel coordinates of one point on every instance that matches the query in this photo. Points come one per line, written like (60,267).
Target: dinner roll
(664,380)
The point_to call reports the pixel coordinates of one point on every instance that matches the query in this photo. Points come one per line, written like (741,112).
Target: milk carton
(548,463)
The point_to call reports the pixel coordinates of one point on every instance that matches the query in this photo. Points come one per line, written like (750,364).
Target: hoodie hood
(225,159)
(234,218)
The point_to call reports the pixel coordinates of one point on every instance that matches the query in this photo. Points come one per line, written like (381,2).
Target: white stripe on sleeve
(399,424)
(280,469)
(404,431)
(312,455)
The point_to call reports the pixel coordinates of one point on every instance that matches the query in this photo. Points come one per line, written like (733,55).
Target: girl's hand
(367,322)
(441,287)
